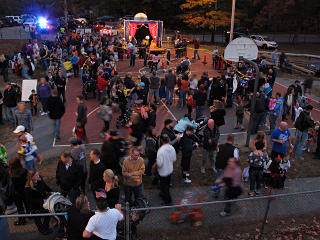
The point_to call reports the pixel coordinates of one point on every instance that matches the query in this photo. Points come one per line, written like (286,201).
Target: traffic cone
(205,59)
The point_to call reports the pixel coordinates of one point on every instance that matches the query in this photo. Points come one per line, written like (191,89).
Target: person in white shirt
(104,223)
(193,82)
(21,130)
(166,156)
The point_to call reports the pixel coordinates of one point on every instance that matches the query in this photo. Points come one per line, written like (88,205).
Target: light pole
(232,19)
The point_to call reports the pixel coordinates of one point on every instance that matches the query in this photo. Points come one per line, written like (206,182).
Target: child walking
(187,146)
(33,98)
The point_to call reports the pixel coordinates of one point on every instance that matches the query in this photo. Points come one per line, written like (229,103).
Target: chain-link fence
(252,217)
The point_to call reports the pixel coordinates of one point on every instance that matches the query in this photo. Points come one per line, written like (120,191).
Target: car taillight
(100,30)
(97,25)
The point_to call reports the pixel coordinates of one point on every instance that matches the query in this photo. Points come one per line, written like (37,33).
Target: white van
(16,19)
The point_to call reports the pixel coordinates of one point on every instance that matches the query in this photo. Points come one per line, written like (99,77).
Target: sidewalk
(242,211)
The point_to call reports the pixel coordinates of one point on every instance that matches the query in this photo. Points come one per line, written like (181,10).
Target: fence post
(265,218)
(127,221)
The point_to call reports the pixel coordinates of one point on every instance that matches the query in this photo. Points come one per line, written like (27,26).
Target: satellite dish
(241,47)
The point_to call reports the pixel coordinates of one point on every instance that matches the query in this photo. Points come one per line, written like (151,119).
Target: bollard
(205,59)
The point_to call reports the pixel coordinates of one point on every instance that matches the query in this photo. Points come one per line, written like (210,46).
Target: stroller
(89,85)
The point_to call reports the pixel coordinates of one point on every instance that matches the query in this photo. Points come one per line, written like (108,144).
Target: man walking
(23,117)
(226,151)
(154,88)
(132,170)
(196,48)
(56,110)
(61,85)
(166,156)
(10,98)
(82,114)
(170,80)
(302,125)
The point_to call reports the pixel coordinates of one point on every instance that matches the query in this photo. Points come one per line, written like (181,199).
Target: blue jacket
(74,60)
(183,124)
(278,108)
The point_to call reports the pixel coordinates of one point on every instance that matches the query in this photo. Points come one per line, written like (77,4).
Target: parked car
(237,32)
(315,67)
(16,19)
(29,22)
(108,30)
(264,41)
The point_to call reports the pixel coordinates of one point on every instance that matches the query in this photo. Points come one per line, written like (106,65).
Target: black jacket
(10,98)
(77,222)
(111,154)
(82,113)
(304,122)
(187,145)
(200,98)
(35,197)
(218,116)
(212,135)
(55,107)
(96,175)
(69,179)
(225,152)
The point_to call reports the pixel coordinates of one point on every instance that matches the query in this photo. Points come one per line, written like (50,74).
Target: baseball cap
(19,128)
(141,84)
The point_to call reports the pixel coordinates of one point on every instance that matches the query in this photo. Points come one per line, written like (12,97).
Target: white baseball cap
(19,128)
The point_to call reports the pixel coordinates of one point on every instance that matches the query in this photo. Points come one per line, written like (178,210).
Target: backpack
(272,104)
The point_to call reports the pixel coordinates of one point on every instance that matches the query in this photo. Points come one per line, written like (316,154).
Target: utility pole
(253,101)
(232,19)
(66,13)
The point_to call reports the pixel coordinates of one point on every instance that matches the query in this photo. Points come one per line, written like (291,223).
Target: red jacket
(102,83)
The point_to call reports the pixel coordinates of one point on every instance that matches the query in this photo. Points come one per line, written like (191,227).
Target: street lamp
(232,19)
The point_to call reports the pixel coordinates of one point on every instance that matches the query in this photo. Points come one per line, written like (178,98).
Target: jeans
(5,74)
(132,60)
(165,189)
(286,110)
(301,138)
(257,118)
(57,123)
(169,95)
(196,54)
(30,165)
(273,120)
(137,191)
(133,97)
(75,70)
(101,95)
(44,104)
(44,63)
(182,98)
(255,176)
(62,93)
(211,154)
(264,118)
(199,111)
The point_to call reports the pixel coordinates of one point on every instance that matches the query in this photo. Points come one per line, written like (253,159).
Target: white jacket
(166,156)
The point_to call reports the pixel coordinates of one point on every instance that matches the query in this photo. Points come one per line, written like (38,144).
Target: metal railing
(257,209)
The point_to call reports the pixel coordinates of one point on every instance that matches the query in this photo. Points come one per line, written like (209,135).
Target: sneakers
(203,171)
(214,170)
(187,180)
(11,209)
(224,214)
(43,113)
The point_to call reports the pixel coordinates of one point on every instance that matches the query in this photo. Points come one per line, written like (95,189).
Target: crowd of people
(122,163)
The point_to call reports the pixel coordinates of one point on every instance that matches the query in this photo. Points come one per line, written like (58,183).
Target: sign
(27,86)
(241,47)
